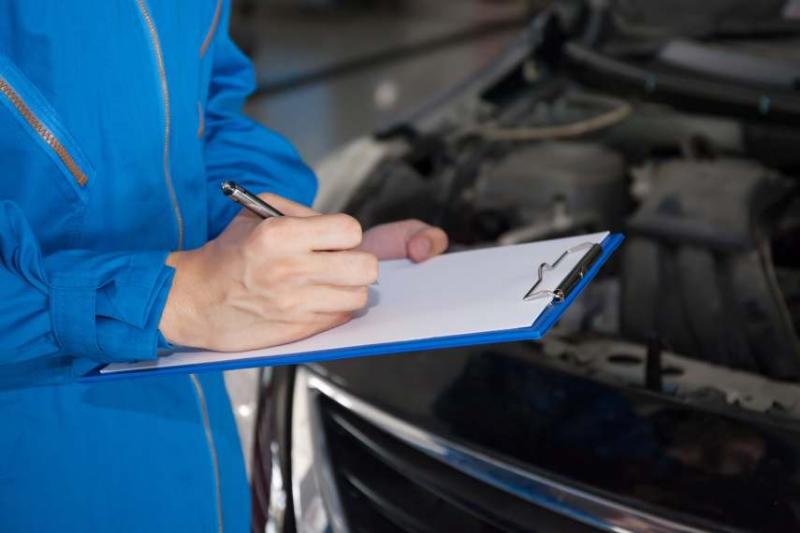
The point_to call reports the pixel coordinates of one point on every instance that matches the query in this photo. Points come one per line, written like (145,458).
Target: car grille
(386,485)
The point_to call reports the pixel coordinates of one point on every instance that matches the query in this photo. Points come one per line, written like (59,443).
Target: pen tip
(228,187)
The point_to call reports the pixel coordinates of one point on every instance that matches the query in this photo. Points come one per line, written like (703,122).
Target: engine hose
(620,110)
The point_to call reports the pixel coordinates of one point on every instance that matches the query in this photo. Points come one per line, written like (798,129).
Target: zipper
(212,30)
(47,136)
(201,121)
(201,397)
(162,74)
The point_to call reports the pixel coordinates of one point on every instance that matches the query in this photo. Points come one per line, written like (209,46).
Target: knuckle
(339,316)
(267,231)
(368,268)
(319,322)
(338,319)
(285,225)
(349,228)
(360,297)
(280,271)
(373,267)
(288,304)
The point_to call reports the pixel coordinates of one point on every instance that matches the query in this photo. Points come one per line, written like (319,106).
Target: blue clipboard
(536,331)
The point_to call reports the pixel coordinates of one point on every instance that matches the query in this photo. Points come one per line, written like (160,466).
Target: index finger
(311,234)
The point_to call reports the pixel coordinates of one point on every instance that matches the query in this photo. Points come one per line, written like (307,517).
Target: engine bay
(703,301)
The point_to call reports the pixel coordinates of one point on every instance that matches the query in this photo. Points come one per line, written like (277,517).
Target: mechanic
(119,119)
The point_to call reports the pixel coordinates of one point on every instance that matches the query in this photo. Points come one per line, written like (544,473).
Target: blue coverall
(118,121)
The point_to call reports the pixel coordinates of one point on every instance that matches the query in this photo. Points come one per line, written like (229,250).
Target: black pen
(248,200)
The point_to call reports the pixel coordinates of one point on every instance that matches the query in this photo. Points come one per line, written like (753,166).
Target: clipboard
(555,280)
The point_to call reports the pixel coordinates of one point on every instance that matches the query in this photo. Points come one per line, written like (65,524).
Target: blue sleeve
(239,149)
(104,307)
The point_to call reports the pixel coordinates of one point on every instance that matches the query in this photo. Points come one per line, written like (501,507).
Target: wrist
(179,315)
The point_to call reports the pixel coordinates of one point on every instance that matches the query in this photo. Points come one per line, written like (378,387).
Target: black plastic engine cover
(698,272)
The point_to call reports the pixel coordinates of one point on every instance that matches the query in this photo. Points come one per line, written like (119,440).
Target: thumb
(426,243)
(413,239)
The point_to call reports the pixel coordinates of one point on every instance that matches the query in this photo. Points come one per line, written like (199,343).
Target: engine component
(698,271)
(655,18)
(564,186)
(691,380)
(618,110)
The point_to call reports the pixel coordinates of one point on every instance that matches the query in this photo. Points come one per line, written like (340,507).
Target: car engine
(708,280)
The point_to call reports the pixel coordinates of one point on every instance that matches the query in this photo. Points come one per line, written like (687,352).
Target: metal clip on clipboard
(571,280)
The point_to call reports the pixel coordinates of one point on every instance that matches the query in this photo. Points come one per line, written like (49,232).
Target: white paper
(476,291)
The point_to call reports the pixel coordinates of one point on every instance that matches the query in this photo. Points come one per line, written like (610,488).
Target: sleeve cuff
(120,341)
(113,317)
(163,345)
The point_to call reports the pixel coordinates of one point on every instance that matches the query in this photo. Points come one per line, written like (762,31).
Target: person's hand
(411,239)
(268,282)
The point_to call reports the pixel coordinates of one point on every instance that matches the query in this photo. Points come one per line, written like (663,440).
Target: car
(668,396)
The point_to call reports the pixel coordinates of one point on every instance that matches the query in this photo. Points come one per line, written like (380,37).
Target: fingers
(322,299)
(338,269)
(426,243)
(332,320)
(345,269)
(320,322)
(306,303)
(312,233)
